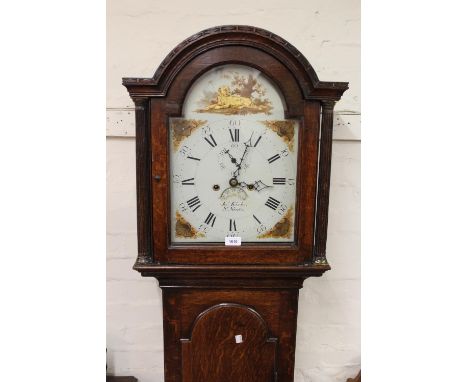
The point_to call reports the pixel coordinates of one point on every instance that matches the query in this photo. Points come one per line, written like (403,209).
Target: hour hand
(233,160)
(237,172)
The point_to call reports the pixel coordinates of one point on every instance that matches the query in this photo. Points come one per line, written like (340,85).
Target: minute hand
(236,173)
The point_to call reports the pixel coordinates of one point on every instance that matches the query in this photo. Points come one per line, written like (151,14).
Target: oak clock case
(233,140)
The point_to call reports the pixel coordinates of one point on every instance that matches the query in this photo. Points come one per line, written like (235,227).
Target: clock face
(233,161)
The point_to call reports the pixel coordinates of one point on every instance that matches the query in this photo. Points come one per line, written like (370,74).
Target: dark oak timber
(213,293)
(356,379)
(324,182)
(249,354)
(143,158)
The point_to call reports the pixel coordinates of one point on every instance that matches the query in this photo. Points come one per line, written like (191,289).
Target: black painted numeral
(194,158)
(273,158)
(232,225)
(234,135)
(211,141)
(279,180)
(188,182)
(210,219)
(272,203)
(194,203)
(258,140)
(259,222)
(249,142)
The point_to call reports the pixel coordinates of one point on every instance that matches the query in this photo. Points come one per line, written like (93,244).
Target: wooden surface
(211,292)
(356,379)
(112,378)
(323,185)
(237,35)
(229,342)
(143,159)
(264,317)
(236,276)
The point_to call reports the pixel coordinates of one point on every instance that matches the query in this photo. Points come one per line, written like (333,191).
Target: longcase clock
(233,142)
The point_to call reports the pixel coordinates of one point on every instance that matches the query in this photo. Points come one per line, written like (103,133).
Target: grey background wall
(139,35)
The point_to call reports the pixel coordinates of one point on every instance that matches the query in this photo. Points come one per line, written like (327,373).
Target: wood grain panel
(213,353)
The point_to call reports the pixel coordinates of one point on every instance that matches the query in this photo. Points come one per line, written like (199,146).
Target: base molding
(113,378)
(235,276)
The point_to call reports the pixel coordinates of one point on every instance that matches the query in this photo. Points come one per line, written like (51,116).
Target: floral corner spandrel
(285,129)
(183,128)
(184,229)
(282,229)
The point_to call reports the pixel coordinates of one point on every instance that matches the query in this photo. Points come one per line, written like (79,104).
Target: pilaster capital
(328,105)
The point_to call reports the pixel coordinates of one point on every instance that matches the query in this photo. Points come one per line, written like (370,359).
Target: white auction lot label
(232,240)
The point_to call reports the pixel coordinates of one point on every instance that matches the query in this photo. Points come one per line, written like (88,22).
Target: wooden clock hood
(302,90)
(235,35)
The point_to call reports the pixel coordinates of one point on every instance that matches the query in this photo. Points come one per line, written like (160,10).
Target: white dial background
(236,148)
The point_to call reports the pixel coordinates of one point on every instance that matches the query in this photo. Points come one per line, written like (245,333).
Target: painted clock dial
(233,160)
